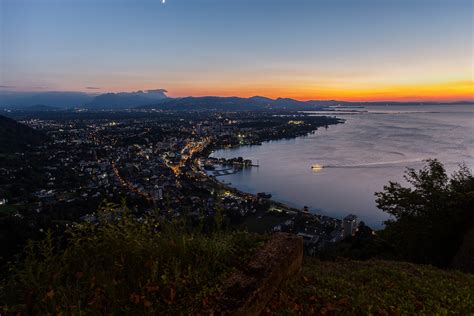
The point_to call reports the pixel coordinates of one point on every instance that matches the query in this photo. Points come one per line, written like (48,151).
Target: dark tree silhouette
(431,215)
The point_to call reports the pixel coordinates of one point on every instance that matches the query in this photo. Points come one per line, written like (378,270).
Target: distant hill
(157,99)
(15,136)
(261,103)
(231,104)
(206,103)
(46,101)
(13,99)
(123,100)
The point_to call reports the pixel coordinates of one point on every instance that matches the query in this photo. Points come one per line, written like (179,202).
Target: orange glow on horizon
(446,91)
(460,90)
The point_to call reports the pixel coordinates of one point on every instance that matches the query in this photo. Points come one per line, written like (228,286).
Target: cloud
(7,87)
(157,91)
(93,88)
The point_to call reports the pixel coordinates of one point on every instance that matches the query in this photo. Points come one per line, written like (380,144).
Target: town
(157,162)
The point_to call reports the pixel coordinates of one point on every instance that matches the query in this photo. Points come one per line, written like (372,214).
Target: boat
(317,166)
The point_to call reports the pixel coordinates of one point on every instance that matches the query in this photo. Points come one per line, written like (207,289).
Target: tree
(431,215)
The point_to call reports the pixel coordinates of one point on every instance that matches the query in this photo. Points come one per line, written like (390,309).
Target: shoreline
(284,209)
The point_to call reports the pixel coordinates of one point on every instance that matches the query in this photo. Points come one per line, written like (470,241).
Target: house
(349,225)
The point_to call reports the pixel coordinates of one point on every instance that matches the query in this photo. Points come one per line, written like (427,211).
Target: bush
(124,265)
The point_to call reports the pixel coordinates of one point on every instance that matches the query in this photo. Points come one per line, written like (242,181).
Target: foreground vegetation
(121,265)
(374,287)
(431,216)
(118,264)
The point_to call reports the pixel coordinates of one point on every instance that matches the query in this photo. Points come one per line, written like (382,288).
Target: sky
(305,49)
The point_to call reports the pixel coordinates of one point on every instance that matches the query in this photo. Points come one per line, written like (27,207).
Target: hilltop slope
(125,266)
(15,136)
(377,287)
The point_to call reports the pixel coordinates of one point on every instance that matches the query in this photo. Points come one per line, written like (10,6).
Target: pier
(224,172)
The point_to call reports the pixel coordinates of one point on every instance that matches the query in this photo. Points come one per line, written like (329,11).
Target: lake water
(372,147)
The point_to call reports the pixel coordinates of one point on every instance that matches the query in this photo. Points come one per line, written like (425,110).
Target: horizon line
(97,93)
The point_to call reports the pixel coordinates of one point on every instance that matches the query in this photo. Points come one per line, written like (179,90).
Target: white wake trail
(376,164)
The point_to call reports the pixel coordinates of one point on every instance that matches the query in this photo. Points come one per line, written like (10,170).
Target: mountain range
(125,100)
(157,99)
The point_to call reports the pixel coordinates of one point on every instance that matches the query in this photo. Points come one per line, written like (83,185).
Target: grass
(374,288)
(124,266)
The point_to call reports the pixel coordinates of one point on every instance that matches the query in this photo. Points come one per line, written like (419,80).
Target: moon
(163,1)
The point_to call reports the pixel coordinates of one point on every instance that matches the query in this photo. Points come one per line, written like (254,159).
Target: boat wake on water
(369,164)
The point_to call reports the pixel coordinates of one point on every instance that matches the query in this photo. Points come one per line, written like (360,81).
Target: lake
(373,146)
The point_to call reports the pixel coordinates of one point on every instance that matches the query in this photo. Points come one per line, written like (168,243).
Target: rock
(464,259)
(247,292)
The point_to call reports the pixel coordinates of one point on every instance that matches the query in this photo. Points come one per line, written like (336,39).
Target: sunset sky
(304,49)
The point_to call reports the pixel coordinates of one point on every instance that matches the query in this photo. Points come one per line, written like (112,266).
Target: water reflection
(357,158)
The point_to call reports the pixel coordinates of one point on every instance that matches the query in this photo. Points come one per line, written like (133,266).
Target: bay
(373,146)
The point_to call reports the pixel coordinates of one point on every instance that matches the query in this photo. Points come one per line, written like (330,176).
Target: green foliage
(375,287)
(122,265)
(431,216)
